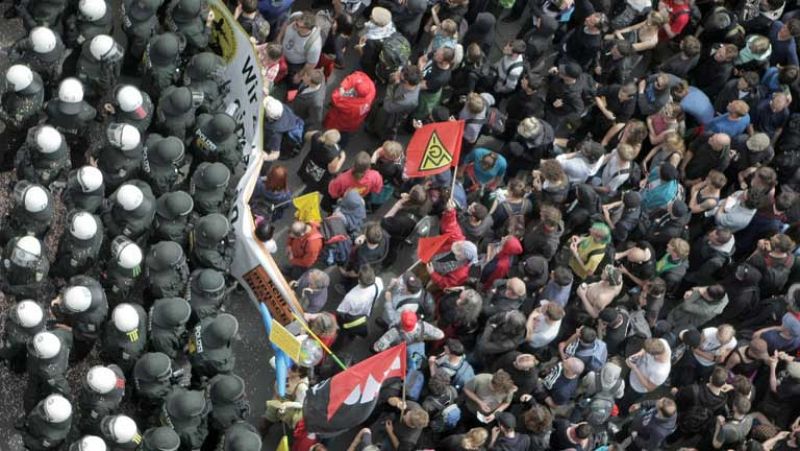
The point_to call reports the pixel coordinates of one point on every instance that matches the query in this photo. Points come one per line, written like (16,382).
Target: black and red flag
(348,398)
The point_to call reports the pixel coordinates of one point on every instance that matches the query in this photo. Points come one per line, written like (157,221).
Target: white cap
(57,409)
(46,345)
(130,256)
(124,136)
(48,139)
(92,9)
(70,90)
(19,76)
(125,318)
(43,40)
(273,107)
(123,429)
(129,197)
(90,178)
(35,199)
(91,443)
(129,98)
(29,313)
(30,245)
(83,225)
(77,299)
(101,379)
(101,45)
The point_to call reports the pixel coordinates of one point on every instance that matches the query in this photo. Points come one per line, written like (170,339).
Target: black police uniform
(205,73)
(210,349)
(211,243)
(86,325)
(14,341)
(207,292)
(161,63)
(164,163)
(186,412)
(24,277)
(166,270)
(228,398)
(73,121)
(48,376)
(241,437)
(19,111)
(79,29)
(188,18)
(124,348)
(43,168)
(215,139)
(209,188)
(161,438)
(173,217)
(20,222)
(48,65)
(167,327)
(120,281)
(139,21)
(118,165)
(76,256)
(139,118)
(41,13)
(39,434)
(175,115)
(153,380)
(133,224)
(75,198)
(93,406)
(99,75)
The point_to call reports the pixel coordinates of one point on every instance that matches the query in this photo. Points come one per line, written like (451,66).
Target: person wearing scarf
(353,210)
(498,266)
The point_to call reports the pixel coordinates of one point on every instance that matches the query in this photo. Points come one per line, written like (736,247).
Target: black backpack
(337,243)
(597,408)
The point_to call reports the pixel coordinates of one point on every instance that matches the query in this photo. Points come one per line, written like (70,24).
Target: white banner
(253,265)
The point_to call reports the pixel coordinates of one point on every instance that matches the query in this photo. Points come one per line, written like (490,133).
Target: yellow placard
(284,340)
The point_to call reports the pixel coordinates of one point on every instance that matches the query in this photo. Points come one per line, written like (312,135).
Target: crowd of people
(618,267)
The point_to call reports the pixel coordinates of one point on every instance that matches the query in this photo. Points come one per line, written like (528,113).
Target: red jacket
(454,278)
(306,249)
(500,265)
(448,225)
(350,103)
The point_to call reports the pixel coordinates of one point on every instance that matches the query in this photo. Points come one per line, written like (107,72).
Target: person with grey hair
(312,288)
(532,142)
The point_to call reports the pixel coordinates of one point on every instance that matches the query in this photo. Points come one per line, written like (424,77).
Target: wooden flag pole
(414,265)
(453,183)
(315,337)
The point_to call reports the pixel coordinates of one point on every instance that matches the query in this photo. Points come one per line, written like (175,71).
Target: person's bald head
(298,228)
(719,140)
(573,366)
(516,287)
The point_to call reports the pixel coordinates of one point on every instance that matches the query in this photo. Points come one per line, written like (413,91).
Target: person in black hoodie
(584,43)
(505,437)
(528,101)
(481,32)
(539,41)
(743,294)
(653,422)
(666,225)
(715,69)
(532,142)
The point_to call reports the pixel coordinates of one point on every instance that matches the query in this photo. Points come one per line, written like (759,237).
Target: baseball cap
(507,420)
(408,320)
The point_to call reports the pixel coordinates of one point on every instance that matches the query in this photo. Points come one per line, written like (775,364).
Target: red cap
(408,320)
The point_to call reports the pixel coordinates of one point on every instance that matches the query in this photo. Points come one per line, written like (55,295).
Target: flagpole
(416,263)
(453,183)
(325,347)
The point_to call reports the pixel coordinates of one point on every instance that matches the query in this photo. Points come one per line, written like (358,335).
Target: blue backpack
(464,373)
(337,242)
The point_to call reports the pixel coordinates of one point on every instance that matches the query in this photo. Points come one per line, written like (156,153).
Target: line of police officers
(140,272)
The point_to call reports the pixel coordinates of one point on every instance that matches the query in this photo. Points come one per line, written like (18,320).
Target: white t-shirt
(712,345)
(359,300)
(544,332)
(577,168)
(656,371)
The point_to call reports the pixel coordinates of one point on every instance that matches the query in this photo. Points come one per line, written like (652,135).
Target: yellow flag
(284,444)
(307,207)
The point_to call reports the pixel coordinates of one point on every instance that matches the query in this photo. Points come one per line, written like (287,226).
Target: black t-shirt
(408,437)
(615,337)
(622,110)
(559,439)
(583,47)
(315,166)
(435,77)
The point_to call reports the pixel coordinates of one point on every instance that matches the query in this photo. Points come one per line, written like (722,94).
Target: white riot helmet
(83,226)
(28,313)
(30,245)
(48,139)
(35,199)
(101,45)
(70,90)
(90,178)
(128,253)
(92,9)
(43,40)
(124,136)
(121,428)
(77,299)
(19,77)
(101,379)
(91,443)
(129,197)
(46,345)
(57,409)
(129,98)
(125,318)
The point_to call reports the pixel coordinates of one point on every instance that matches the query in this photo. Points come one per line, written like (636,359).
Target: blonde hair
(657,18)
(680,246)
(627,152)
(529,127)
(759,44)
(392,149)
(474,438)
(674,141)
(475,103)
(449,27)
(330,137)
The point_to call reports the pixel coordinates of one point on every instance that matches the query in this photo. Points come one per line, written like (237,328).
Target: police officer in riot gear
(79,248)
(209,188)
(186,412)
(241,437)
(211,243)
(129,105)
(71,115)
(25,268)
(132,212)
(89,443)
(189,19)
(120,432)
(82,305)
(48,360)
(42,51)
(227,395)
(85,189)
(120,156)
(160,438)
(153,380)
(47,425)
(99,64)
(139,21)
(207,292)
(44,158)
(20,106)
(123,269)
(210,346)
(164,164)
(162,62)
(173,212)
(32,212)
(125,336)
(24,320)
(41,13)
(167,328)
(215,139)
(175,115)
(101,393)
(166,270)
(92,18)
(205,73)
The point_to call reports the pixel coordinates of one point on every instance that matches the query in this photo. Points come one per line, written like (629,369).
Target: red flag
(427,247)
(434,148)
(348,398)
